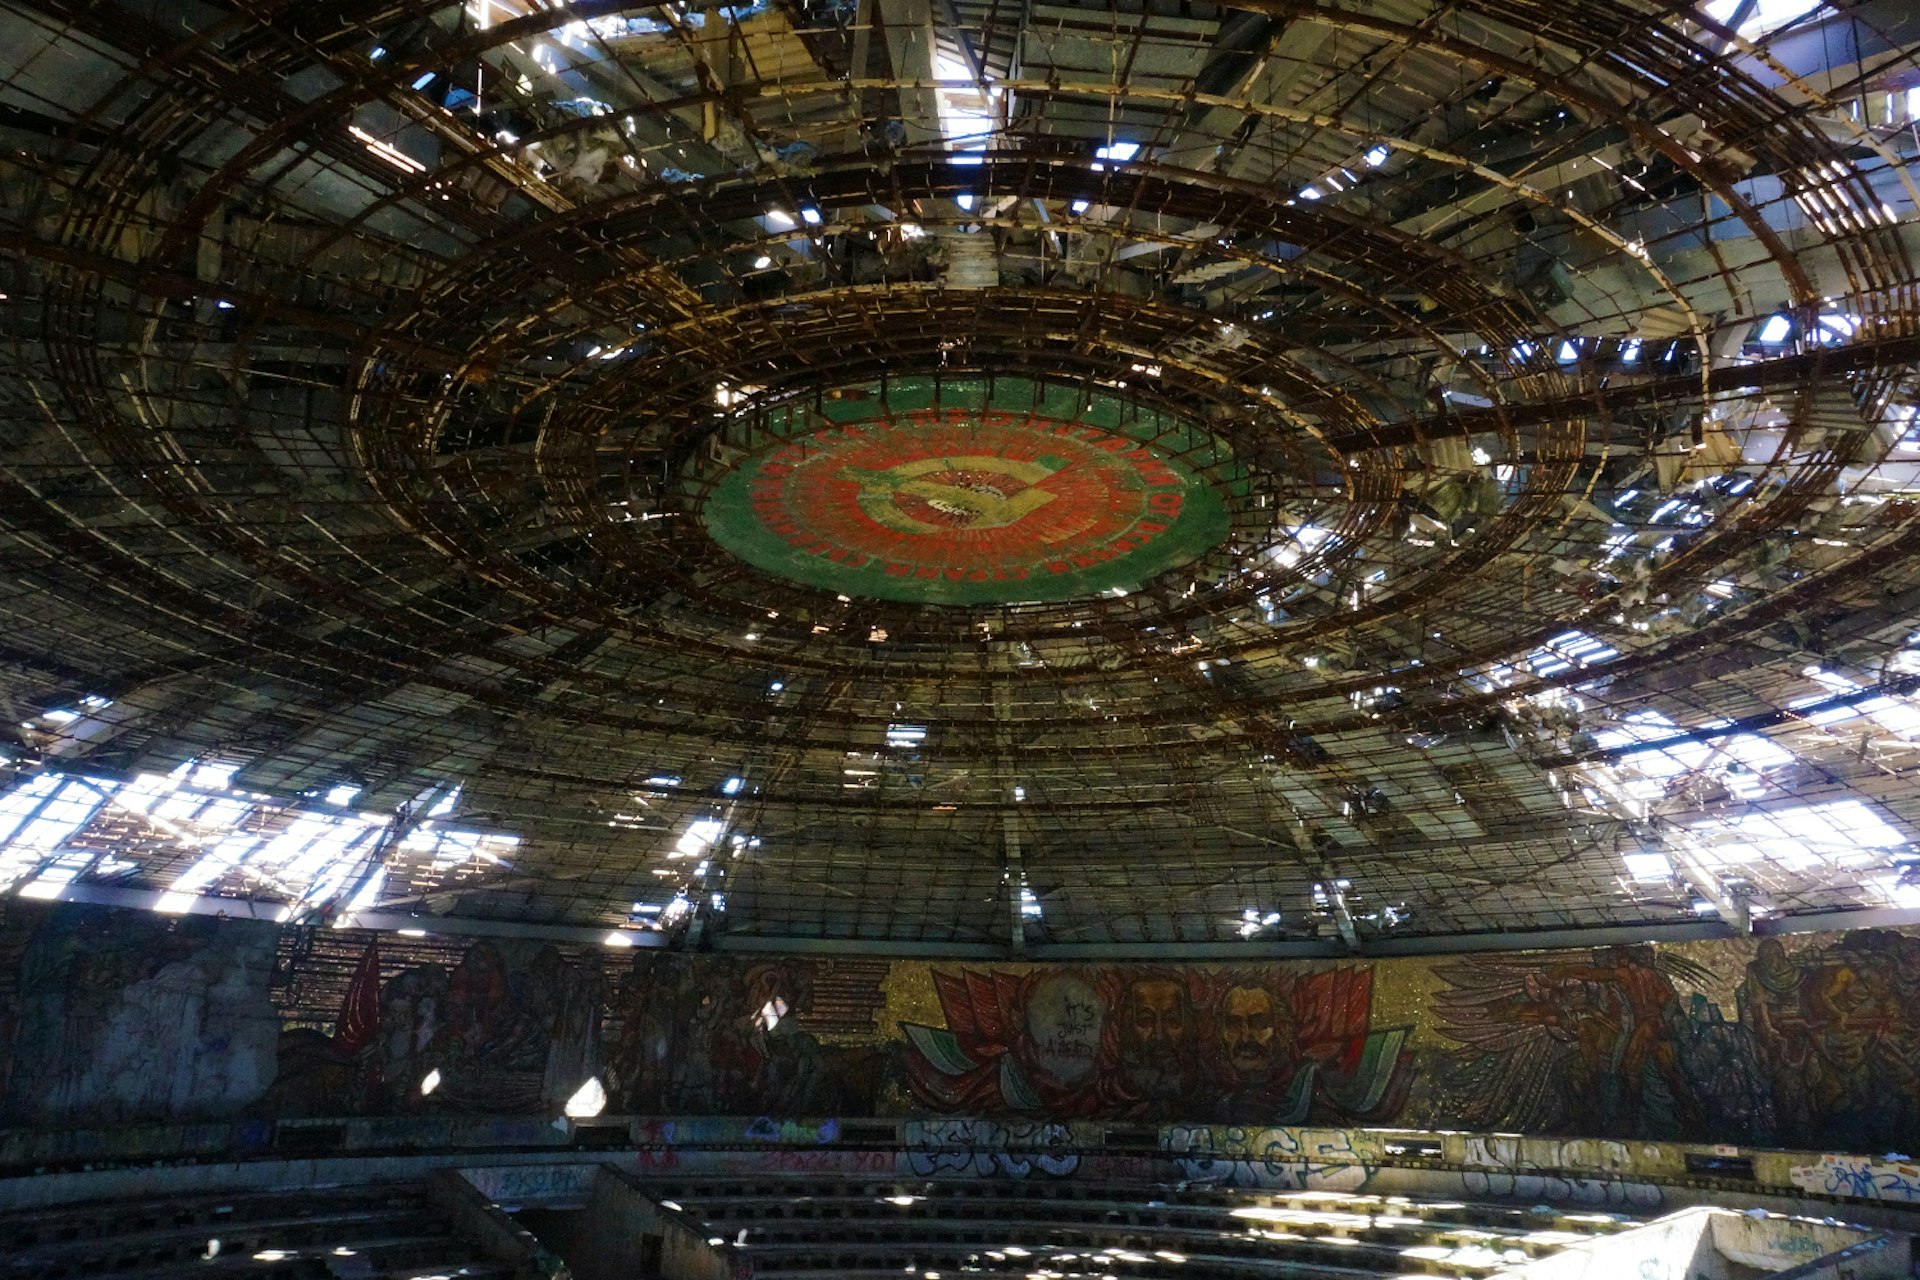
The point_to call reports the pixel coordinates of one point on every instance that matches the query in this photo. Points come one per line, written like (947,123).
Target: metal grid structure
(355,356)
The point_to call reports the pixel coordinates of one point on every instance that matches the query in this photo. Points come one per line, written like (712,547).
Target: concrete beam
(1780,373)
(485,1223)
(1679,930)
(628,1234)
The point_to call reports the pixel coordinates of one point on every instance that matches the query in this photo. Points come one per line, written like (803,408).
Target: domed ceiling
(1020,479)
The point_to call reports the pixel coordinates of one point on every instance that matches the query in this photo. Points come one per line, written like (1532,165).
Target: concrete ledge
(554,1159)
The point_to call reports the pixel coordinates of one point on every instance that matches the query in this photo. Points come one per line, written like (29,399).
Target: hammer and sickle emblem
(975,506)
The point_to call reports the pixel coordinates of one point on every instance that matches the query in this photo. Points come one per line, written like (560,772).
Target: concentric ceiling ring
(400,394)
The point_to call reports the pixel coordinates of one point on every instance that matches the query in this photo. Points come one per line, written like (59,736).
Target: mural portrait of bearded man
(1257,1054)
(1156,1035)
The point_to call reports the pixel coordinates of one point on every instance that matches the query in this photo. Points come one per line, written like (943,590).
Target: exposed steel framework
(355,353)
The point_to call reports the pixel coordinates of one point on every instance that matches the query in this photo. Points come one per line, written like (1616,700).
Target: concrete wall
(1717,1244)
(1677,1247)
(526,1164)
(672,1243)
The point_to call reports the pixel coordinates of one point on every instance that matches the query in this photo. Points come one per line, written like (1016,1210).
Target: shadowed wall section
(1808,1041)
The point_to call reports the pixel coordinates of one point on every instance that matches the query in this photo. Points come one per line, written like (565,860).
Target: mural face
(1065,1019)
(1806,1042)
(1156,1034)
(1253,1032)
(1199,1042)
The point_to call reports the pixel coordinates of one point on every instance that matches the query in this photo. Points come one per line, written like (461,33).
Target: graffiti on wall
(1509,1167)
(1804,1042)
(1273,1159)
(1861,1177)
(1193,1042)
(990,1148)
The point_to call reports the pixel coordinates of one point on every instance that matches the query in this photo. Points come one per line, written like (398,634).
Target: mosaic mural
(730,1037)
(1809,1042)
(108,1017)
(970,492)
(510,1027)
(1243,1044)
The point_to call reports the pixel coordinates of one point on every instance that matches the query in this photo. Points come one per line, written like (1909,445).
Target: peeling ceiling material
(357,361)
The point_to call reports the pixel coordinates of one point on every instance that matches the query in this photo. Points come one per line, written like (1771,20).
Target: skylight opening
(700,833)
(1767,17)
(212,775)
(1904,419)
(1568,651)
(1840,833)
(1302,541)
(1892,712)
(967,115)
(387,152)
(1834,330)
(189,884)
(50,822)
(1648,867)
(728,396)
(1653,767)
(1253,920)
(241,842)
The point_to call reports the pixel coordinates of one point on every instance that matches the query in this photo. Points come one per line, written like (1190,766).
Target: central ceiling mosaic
(972,492)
